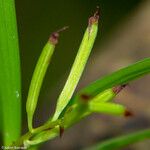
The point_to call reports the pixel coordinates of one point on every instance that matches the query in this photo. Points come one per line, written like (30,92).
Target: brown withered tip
(95,17)
(62,29)
(97,12)
(54,38)
(128,113)
(55,35)
(118,88)
(61,131)
(85,97)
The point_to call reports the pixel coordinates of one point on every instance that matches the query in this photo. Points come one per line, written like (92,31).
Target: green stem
(10,95)
(47,126)
(28,135)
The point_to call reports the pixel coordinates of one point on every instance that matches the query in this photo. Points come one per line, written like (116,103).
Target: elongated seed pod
(38,77)
(78,66)
(107,108)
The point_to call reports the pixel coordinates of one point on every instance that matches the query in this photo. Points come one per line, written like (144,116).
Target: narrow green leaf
(120,77)
(38,76)
(120,142)
(78,66)
(10,96)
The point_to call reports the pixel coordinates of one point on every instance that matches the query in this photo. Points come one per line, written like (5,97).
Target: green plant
(95,98)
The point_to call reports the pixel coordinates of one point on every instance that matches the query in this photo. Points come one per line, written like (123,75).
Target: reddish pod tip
(128,113)
(119,88)
(54,36)
(85,97)
(61,131)
(95,17)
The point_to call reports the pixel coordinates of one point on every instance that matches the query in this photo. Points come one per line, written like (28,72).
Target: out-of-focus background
(123,38)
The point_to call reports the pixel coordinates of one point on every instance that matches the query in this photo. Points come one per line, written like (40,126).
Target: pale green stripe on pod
(104,96)
(107,108)
(78,66)
(38,77)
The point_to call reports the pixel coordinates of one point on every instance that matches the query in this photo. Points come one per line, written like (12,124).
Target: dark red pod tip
(85,97)
(128,113)
(119,88)
(95,17)
(61,131)
(54,38)
(55,35)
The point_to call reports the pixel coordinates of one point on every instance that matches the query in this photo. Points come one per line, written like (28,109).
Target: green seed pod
(107,108)
(38,77)
(78,66)
(104,96)
(108,94)
(100,102)
(80,109)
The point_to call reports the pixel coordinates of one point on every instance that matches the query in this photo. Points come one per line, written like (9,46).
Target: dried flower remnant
(61,131)
(128,113)
(85,97)
(92,20)
(119,88)
(55,35)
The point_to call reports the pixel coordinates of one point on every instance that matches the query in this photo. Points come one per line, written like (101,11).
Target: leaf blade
(122,141)
(10,88)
